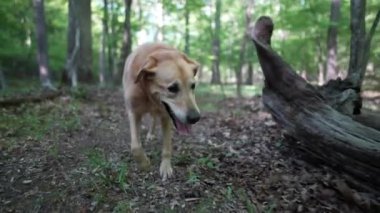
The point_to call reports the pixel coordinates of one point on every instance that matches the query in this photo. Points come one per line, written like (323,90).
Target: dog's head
(170,76)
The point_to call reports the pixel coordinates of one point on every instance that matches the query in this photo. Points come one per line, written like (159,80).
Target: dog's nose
(193,116)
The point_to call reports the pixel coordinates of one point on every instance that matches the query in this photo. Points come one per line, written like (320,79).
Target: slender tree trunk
(321,68)
(102,61)
(85,49)
(249,80)
(107,37)
(73,44)
(113,42)
(42,46)
(359,49)
(3,83)
(357,41)
(187,33)
(367,44)
(215,77)
(127,38)
(102,51)
(248,15)
(332,44)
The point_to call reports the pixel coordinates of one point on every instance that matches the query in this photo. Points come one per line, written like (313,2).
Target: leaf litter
(237,160)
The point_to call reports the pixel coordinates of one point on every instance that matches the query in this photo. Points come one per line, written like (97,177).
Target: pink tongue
(182,128)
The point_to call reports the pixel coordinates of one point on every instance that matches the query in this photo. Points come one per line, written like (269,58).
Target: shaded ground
(72,155)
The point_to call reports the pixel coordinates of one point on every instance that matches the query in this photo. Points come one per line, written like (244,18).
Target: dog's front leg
(136,148)
(166,170)
(152,127)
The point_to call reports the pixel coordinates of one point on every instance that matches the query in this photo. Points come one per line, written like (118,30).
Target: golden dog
(159,80)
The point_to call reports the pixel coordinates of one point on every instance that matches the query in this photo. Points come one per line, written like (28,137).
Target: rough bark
(42,45)
(332,43)
(85,49)
(303,112)
(127,38)
(215,76)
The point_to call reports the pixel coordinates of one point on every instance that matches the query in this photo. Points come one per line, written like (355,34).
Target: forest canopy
(301,36)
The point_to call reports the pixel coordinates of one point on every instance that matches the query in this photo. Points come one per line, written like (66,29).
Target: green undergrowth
(209,95)
(37,120)
(106,173)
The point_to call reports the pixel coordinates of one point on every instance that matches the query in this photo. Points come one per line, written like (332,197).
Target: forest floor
(72,154)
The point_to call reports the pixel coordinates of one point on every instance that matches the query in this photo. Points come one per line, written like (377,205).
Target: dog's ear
(147,69)
(194,65)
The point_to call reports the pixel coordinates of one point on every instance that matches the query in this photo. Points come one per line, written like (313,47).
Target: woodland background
(94,37)
(279,146)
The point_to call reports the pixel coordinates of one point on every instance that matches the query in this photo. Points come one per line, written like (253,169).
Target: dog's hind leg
(166,170)
(136,148)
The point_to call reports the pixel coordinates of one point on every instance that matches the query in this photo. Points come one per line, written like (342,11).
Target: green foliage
(207,162)
(106,173)
(122,207)
(193,177)
(36,121)
(300,35)
(204,206)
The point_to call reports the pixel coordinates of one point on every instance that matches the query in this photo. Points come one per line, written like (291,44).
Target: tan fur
(148,73)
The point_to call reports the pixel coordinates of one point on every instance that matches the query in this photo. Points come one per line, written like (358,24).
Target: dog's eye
(192,86)
(173,88)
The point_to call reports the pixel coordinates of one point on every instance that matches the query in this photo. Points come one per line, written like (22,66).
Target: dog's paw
(166,170)
(141,159)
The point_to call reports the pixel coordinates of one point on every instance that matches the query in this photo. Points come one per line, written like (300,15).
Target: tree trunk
(127,39)
(73,44)
(321,68)
(160,14)
(3,83)
(42,46)
(305,114)
(187,33)
(345,95)
(248,15)
(107,37)
(103,45)
(112,55)
(332,44)
(249,80)
(85,48)
(215,76)
(357,41)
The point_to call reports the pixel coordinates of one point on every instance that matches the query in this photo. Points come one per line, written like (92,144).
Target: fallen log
(307,115)
(30,99)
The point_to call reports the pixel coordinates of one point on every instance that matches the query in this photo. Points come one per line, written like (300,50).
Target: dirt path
(76,159)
